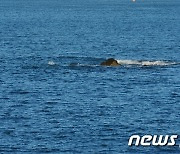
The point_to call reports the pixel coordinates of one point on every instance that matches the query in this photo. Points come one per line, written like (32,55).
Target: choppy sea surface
(56,98)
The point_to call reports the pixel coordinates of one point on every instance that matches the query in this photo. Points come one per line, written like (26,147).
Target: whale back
(110,62)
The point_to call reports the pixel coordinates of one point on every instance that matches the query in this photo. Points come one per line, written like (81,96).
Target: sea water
(54,95)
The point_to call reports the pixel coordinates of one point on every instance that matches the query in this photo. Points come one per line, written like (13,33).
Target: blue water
(49,105)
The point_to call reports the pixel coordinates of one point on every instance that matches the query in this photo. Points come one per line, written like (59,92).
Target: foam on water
(51,63)
(145,63)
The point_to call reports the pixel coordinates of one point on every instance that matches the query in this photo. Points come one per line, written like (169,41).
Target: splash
(145,63)
(51,63)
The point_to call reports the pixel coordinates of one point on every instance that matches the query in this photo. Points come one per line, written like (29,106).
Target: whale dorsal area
(110,62)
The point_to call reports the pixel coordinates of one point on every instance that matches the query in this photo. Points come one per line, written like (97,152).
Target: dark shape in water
(110,62)
(73,64)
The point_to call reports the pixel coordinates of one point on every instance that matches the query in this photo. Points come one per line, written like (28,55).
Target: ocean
(55,97)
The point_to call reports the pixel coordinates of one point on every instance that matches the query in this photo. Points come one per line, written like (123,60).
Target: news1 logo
(154,140)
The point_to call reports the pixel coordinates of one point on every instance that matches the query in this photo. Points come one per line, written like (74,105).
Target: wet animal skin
(110,62)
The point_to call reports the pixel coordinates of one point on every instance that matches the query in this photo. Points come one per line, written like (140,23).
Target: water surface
(49,105)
